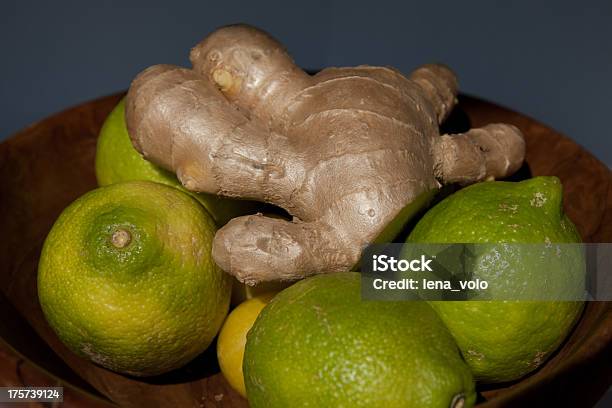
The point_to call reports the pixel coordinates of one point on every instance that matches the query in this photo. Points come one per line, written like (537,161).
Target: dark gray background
(551,60)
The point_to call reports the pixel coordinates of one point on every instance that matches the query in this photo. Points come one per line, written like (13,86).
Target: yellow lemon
(232,339)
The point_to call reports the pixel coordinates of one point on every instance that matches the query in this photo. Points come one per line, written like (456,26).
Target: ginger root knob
(224,80)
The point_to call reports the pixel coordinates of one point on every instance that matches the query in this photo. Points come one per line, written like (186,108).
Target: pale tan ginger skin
(342,151)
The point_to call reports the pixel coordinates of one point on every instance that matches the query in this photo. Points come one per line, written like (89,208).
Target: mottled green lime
(504,340)
(126,278)
(117,160)
(317,344)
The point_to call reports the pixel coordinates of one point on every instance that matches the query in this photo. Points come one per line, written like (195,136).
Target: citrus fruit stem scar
(458,401)
(121,238)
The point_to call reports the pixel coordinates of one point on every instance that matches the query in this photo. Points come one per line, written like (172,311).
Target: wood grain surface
(49,164)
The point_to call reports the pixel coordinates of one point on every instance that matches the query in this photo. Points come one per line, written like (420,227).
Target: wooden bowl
(49,164)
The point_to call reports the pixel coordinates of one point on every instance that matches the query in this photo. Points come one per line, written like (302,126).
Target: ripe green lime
(126,278)
(504,340)
(317,344)
(117,160)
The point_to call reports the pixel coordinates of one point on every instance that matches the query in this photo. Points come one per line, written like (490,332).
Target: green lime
(317,344)
(504,340)
(126,278)
(117,160)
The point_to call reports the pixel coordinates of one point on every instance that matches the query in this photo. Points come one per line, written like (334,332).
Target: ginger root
(343,151)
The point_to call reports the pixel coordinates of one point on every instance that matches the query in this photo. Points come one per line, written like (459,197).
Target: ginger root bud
(343,151)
